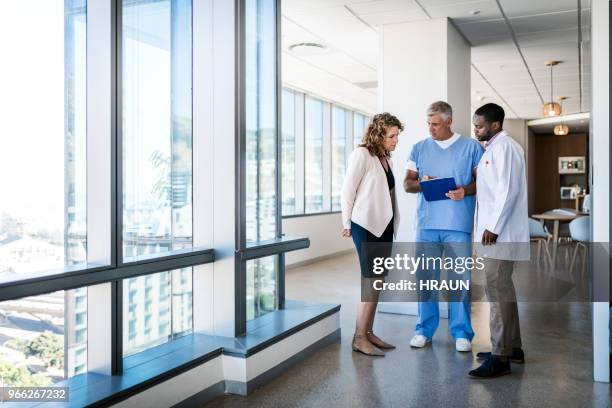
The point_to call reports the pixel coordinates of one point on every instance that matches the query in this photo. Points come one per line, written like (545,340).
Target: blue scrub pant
(429,313)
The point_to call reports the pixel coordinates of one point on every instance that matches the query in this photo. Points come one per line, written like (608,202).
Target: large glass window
(157,166)
(157,126)
(261,151)
(338,154)
(43,215)
(313,155)
(315,146)
(156,309)
(288,152)
(262,294)
(260,65)
(43,339)
(42,100)
(359,124)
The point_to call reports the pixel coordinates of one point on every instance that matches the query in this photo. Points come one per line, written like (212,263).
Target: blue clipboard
(436,189)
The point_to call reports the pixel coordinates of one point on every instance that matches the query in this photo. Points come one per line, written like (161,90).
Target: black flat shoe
(491,368)
(518,356)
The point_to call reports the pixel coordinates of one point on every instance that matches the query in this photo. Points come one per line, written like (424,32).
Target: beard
(485,137)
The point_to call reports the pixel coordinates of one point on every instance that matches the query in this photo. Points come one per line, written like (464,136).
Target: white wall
(324,233)
(600,175)
(310,79)
(458,79)
(517,129)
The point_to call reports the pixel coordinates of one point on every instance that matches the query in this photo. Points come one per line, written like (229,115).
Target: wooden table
(556,218)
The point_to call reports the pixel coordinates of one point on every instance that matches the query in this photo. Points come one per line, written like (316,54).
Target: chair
(580,230)
(538,233)
(586,204)
(565,237)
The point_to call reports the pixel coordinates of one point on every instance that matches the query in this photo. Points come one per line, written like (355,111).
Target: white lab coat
(501,200)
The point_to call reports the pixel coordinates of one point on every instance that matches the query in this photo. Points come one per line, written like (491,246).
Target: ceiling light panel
(517,8)
(382,6)
(341,30)
(292,6)
(341,65)
(461,12)
(484,31)
(442,3)
(394,17)
(549,38)
(545,22)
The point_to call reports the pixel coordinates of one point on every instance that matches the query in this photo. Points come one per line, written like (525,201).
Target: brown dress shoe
(378,342)
(375,352)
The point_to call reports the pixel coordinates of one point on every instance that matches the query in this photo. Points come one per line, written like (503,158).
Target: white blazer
(501,200)
(365,194)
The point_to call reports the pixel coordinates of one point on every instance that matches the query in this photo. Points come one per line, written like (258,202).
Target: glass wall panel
(260,83)
(288,152)
(43,339)
(156,309)
(43,223)
(359,124)
(304,148)
(313,155)
(338,154)
(182,301)
(157,126)
(262,293)
(42,159)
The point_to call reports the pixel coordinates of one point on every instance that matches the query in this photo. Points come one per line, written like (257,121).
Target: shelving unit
(551,152)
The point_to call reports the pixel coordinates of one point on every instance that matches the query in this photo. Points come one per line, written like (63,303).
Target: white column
(421,62)
(214,147)
(600,178)
(100,18)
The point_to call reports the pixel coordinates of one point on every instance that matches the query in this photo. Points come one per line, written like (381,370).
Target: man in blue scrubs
(444,227)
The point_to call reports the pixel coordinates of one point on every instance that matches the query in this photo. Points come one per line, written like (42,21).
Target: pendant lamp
(551,108)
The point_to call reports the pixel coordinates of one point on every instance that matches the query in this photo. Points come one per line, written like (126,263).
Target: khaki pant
(504,322)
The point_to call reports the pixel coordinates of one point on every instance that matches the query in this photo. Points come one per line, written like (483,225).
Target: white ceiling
(544,29)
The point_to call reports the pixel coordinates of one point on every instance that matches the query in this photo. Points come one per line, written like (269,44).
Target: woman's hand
(346,232)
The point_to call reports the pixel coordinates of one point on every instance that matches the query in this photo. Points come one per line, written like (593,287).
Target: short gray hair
(440,108)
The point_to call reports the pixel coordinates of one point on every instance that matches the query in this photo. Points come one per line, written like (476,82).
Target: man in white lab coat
(501,235)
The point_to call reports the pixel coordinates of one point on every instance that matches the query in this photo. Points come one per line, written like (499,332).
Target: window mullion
(299,153)
(326,157)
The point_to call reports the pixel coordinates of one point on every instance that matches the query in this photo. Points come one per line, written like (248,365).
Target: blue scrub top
(458,161)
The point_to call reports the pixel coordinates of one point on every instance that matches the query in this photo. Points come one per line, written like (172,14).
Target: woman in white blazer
(370,215)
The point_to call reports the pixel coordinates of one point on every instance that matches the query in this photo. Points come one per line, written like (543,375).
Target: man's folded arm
(411,182)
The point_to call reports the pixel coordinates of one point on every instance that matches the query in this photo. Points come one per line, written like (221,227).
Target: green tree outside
(49,348)
(12,376)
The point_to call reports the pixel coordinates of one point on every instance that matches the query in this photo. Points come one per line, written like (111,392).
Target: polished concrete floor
(556,339)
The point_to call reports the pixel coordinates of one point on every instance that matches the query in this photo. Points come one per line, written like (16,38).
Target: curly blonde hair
(375,133)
